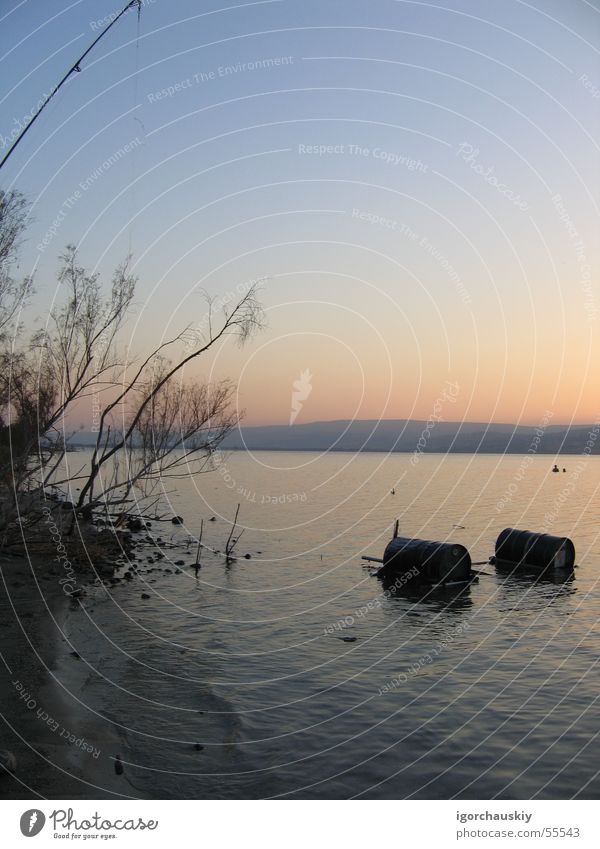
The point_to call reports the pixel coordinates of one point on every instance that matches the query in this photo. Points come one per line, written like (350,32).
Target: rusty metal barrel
(530,549)
(430,562)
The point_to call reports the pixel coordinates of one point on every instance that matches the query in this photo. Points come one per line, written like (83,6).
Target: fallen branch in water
(231,542)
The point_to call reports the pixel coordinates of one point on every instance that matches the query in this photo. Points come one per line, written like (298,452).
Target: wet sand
(66,706)
(62,749)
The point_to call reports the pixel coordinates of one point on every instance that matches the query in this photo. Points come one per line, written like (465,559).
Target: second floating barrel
(530,549)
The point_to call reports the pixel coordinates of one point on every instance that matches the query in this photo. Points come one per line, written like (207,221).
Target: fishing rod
(76,68)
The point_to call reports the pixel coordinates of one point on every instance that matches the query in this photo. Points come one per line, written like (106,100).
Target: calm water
(496,687)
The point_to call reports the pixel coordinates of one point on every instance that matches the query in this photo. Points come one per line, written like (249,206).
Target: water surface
(487,692)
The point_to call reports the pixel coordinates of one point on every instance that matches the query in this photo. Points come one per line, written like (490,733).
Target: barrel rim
(428,542)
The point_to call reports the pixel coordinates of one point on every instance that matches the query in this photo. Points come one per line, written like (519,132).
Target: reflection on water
(300,674)
(452,599)
(522,575)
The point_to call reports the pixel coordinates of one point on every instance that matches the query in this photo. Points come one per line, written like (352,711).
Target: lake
(490,691)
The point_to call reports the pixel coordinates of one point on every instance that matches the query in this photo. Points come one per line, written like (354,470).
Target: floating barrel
(540,550)
(432,562)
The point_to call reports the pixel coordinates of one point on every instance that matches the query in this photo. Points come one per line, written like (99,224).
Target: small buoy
(213,519)
(145,595)
(177,520)
(198,747)
(247,556)
(118,765)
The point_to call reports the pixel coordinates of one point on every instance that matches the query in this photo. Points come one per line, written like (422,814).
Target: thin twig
(229,545)
(199,542)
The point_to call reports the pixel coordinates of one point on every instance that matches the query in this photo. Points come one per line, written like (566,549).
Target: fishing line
(74,69)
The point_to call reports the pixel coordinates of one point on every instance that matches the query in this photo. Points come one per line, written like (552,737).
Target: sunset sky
(416,184)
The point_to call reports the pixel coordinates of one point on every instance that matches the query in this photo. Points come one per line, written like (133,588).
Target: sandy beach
(61,748)
(68,711)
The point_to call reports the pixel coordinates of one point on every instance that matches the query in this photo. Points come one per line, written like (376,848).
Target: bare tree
(78,345)
(13,294)
(151,423)
(176,433)
(41,381)
(170,422)
(16,443)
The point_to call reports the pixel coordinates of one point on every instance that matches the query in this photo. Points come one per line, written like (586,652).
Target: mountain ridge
(405,436)
(409,435)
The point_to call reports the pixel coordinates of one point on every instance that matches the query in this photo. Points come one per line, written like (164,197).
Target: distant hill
(402,435)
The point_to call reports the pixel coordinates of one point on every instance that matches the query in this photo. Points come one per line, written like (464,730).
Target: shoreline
(66,706)
(61,750)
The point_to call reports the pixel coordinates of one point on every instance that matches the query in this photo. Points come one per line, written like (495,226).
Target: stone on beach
(8,762)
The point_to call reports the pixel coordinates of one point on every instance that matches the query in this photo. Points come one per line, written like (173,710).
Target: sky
(415,186)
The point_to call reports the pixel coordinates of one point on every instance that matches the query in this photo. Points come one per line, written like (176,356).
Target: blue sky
(393,169)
